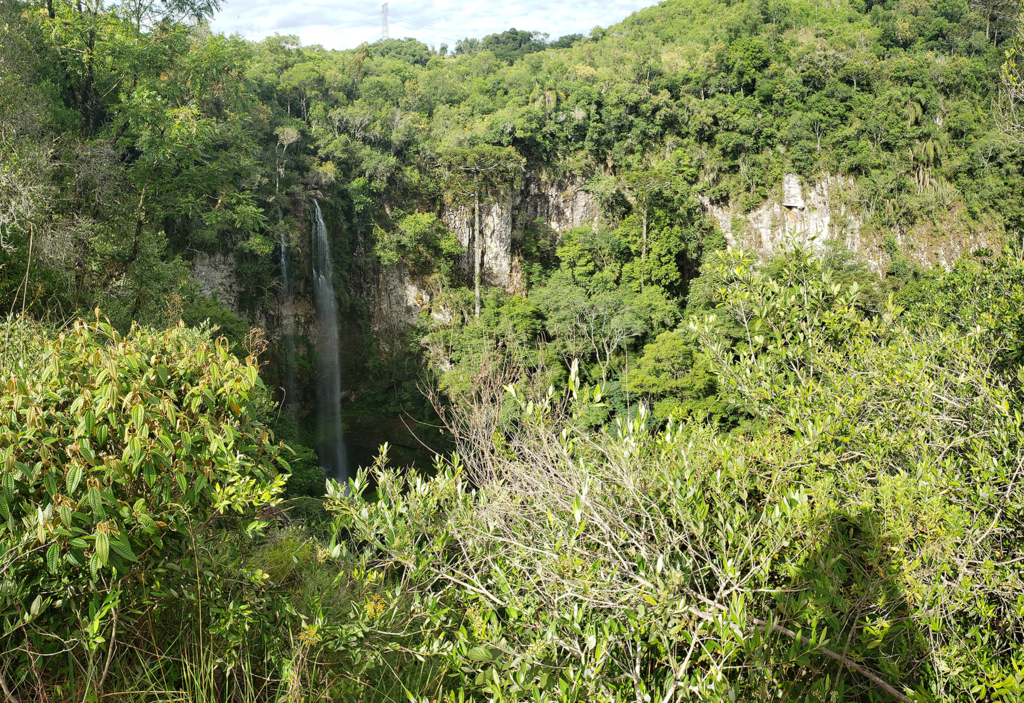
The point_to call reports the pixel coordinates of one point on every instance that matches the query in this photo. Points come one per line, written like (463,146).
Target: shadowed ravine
(331,444)
(287,323)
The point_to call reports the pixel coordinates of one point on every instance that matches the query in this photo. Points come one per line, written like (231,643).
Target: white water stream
(331,447)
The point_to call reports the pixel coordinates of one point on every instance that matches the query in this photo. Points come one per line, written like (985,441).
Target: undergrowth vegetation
(857,538)
(862,543)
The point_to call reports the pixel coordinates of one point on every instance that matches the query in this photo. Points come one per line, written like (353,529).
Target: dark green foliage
(420,241)
(199,310)
(513,44)
(306,478)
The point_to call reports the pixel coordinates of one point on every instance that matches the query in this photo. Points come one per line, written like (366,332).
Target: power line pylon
(384,22)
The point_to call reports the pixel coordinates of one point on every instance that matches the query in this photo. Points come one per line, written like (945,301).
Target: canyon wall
(810,214)
(400,297)
(797,212)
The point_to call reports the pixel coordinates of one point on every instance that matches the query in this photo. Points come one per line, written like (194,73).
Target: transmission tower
(384,22)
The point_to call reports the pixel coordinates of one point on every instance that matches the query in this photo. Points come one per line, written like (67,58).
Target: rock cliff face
(399,297)
(560,206)
(215,274)
(809,217)
(398,300)
(808,214)
(812,214)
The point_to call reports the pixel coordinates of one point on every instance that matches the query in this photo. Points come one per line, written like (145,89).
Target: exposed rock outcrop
(792,193)
(400,297)
(399,300)
(559,206)
(824,215)
(810,215)
(496,222)
(215,274)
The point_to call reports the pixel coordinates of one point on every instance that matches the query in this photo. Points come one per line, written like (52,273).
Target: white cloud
(346,24)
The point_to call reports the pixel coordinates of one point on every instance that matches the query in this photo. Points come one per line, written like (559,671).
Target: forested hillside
(703,333)
(140,148)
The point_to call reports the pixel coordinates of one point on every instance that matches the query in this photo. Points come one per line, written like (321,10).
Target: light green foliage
(983,292)
(823,504)
(863,547)
(1010,107)
(889,416)
(116,452)
(422,242)
(597,324)
(677,383)
(591,313)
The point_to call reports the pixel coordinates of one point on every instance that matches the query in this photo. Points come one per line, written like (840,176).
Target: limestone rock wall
(399,297)
(807,213)
(810,214)
(560,206)
(496,223)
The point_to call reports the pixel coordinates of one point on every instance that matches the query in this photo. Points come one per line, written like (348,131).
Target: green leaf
(121,545)
(167,443)
(86,448)
(102,547)
(96,501)
(5,510)
(138,415)
(161,458)
(480,654)
(53,557)
(182,483)
(73,478)
(51,484)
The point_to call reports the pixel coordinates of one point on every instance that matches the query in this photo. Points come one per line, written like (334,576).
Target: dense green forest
(663,448)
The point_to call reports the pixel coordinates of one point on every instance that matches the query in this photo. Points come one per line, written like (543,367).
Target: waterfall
(331,447)
(287,324)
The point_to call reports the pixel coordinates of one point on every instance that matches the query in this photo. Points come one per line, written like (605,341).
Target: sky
(343,24)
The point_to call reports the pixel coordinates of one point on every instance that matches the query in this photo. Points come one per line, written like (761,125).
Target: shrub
(115,453)
(864,544)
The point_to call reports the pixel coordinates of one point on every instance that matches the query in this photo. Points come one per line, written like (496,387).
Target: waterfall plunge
(331,447)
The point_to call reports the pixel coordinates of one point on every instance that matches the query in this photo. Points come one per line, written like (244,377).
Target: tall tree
(477,171)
